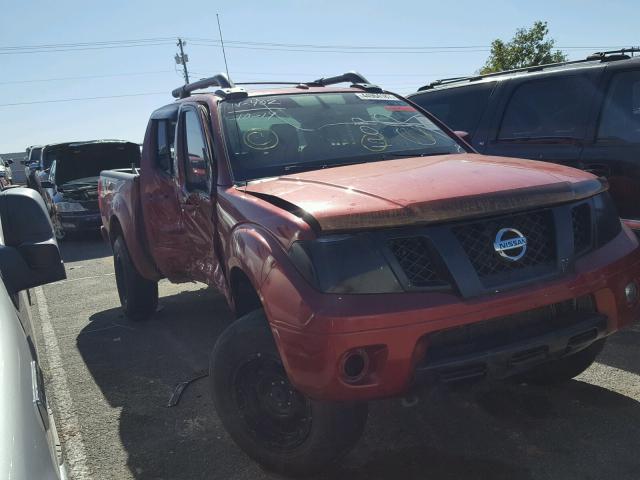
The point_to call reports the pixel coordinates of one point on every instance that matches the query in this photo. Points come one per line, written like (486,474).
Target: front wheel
(265,415)
(138,296)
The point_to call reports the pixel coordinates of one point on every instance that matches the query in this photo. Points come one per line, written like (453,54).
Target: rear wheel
(266,416)
(138,296)
(564,369)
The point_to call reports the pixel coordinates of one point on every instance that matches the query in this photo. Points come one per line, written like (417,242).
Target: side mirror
(462,135)
(29,256)
(8,162)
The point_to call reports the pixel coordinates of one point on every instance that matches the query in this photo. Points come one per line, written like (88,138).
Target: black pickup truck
(72,184)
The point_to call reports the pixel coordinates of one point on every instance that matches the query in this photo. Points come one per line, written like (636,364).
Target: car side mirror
(8,162)
(29,256)
(462,135)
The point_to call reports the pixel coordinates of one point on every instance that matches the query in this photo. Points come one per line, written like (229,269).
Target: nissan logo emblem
(510,244)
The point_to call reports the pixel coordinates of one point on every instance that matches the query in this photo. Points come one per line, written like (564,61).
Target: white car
(5,170)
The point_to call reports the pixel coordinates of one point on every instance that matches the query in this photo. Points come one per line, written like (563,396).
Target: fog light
(355,365)
(631,293)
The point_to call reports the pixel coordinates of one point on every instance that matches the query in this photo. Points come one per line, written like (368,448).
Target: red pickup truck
(365,249)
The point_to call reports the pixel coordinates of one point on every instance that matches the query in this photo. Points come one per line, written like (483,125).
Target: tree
(527,48)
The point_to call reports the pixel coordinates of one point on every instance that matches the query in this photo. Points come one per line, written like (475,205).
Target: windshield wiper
(421,154)
(322,166)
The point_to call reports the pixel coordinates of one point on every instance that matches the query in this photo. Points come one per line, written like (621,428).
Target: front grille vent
(414,257)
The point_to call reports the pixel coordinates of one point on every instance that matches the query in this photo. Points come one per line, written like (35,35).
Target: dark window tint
(34,154)
(196,162)
(460,108)
(553,107)
(165,135)
(620,118)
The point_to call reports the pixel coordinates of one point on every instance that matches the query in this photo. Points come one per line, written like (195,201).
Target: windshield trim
(223,134)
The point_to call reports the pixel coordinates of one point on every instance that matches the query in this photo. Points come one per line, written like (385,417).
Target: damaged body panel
(438,189)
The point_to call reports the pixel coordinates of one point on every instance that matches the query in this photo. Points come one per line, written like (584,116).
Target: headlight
(67,207)
(608,224)
(344,264)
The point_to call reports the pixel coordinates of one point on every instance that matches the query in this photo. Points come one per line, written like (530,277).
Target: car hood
(421,190)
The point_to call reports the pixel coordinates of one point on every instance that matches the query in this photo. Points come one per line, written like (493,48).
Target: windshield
(276,135)
(34,155)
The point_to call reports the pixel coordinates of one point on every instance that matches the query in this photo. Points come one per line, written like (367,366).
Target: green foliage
(528,47)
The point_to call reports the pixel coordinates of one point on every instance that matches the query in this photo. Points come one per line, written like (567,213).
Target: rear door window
(165,137)
(620,117)
(553,107)
(460,108)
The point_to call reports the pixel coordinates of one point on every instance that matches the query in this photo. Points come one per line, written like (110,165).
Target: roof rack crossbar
(220,80)
(268,83)
(611,52)
(353,77)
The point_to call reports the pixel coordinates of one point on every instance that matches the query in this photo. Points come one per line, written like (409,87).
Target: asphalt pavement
(110,380)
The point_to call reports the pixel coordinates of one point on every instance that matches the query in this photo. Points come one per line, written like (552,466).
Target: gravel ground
(109,381)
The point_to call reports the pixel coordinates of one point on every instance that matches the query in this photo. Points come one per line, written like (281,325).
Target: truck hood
(422,190)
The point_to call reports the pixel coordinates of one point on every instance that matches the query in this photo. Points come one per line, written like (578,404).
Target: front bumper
(314,331)
(518,357)
(82,221)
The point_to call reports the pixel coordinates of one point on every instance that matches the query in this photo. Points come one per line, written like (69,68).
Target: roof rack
(608,56)
(220,80)
(611,55)
(228,88)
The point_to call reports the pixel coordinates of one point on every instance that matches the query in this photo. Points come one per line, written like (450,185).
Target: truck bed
(121,213)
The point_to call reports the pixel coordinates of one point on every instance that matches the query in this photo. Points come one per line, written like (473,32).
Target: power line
(86,48)
(238,44)
(82,77)
(82,98)
(85,44)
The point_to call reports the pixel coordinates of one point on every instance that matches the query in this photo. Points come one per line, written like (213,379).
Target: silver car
(29,257)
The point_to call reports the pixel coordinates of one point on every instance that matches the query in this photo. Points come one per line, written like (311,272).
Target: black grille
(413,255)
(581,219)
(477,240)
(489,334)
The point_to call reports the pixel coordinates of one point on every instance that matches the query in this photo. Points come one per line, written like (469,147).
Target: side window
(460,108)
(196,162)
(165,137)
(620,117)
(547,108)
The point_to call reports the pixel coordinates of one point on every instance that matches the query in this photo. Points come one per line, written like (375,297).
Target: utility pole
(182,59)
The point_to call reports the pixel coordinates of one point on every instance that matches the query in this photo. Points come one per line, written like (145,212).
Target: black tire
(138,296)
(273,423)
(564,369)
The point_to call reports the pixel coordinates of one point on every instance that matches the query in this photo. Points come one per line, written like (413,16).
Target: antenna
(222,43)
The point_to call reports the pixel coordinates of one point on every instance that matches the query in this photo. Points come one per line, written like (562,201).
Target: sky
(48,94)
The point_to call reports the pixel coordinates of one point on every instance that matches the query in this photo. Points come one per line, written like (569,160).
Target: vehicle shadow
(85,246)
(621,350)
(482,431)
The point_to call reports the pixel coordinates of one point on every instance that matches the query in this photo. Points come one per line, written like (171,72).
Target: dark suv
(583,114)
